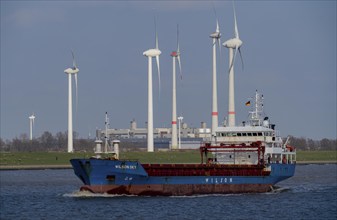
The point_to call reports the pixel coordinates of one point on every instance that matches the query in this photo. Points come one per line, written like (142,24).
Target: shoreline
(68,166)
(35,167)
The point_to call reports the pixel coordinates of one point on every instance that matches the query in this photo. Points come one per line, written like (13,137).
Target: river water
(53,194)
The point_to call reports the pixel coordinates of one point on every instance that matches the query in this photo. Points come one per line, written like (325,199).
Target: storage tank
(133,124)
(184,125)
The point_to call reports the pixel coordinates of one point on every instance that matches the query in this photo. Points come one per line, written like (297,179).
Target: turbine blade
(178,52)
(178,39)
(241,58)
(217,30)
(217,26)
(179,63)
(235,23)
(74,62)
(233,60)
(76,91)
(217,22)
(155,28)
(158,67)
(219,43)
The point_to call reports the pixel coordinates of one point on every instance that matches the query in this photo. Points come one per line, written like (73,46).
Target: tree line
(58,142)
(46,142)
(310,144)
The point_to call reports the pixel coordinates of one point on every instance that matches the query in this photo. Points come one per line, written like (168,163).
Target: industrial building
(190,137)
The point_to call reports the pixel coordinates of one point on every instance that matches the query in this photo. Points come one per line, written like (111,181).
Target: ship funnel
(266,122)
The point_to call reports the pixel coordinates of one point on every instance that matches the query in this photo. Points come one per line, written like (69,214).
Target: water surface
(53,194)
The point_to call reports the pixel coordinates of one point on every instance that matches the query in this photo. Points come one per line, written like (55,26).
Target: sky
(289,53)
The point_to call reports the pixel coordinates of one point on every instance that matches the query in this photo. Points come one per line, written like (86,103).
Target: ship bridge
(246,134)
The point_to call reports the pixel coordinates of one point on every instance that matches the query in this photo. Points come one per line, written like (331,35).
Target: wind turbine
(150,54)
(175,55)
(71,71)
(31,124)
(232,44)
(216,40)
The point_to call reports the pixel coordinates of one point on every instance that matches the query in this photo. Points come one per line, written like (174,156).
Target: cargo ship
(250,158)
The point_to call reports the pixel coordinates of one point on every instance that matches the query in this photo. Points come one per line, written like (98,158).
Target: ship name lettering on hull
(218,180)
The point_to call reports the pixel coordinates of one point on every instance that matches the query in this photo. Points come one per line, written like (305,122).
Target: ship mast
(257,112)
(106,132)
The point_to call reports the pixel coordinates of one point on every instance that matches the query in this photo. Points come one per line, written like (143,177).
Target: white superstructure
(257,128)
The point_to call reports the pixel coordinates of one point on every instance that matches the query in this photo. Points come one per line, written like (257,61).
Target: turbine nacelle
(215,35)
(71,70)
(233,43)
(175,54)
(152,53)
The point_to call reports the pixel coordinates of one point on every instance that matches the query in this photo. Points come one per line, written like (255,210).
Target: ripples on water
(53,194)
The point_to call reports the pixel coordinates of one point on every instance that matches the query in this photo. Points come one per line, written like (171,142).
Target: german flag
(247,103)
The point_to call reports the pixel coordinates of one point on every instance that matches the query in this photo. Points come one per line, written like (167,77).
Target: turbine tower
(150,54)
(175,55)
(216,40)
(71,71)
(232,44)
(31,124)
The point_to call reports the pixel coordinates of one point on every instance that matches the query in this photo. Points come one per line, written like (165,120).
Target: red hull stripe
(231,113)
(174,122)
(214,113)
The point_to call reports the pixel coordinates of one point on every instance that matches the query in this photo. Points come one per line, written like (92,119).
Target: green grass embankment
(62,158)
(39,158)
(316,156)
(192,156)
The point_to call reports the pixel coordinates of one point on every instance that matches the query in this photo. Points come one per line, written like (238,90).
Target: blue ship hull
(130,177)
